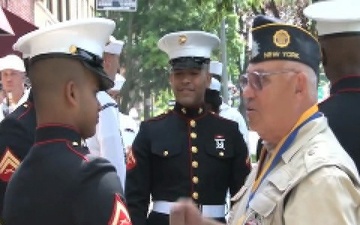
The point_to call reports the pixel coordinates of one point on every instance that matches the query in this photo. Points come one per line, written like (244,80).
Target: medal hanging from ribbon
(282,147)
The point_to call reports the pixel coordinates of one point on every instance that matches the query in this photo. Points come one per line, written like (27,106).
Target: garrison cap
(275,40)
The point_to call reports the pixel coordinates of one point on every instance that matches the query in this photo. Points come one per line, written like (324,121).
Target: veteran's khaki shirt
(316,182)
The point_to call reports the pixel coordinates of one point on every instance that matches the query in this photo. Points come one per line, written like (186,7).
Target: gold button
(221,154)
(183,110)
(166,153)
(195,180)
(194,149)
(194,164)
(192,123)
(193,135)
(73,49)
(200,110)
(195,195)
(75,143)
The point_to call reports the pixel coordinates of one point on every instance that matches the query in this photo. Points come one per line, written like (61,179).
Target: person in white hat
(189,151)
(338,26)
(59,181)
(17,135)
(128,125)
(12,72)
(107,141)
(225,110)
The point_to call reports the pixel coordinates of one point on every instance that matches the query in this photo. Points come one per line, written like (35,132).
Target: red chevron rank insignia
(8,164)
(130,160)
(120,215)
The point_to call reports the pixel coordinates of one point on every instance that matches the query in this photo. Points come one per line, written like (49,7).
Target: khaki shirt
(316,182)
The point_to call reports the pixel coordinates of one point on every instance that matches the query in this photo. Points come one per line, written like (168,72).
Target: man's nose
(186,78)
(248,92)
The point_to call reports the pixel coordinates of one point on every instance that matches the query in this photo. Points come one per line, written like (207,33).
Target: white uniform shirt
(129,129)
(230,113)
(21,101)
(107,141)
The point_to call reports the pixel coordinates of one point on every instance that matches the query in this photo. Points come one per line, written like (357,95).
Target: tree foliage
(146,67)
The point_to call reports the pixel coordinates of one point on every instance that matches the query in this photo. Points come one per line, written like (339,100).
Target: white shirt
(129,129)
(107,141)
(12,108)
(233,114)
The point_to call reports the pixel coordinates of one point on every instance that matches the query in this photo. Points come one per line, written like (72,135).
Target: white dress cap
(215,68)
(215,85)
(335,16)
(114,46)
(88,34)
(119,82)
(13,62)
(189,44)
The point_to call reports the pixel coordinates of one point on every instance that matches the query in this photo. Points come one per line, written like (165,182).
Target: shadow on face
(189,86)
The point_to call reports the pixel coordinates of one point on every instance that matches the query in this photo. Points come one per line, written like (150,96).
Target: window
(59,10)
(49,5)
(68,9)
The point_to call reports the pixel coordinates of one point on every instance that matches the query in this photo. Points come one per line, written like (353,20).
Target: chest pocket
(166,150)
(265,202)
(220,148)
(263,206)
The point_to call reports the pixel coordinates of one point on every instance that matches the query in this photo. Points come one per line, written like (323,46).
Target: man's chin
(186,102)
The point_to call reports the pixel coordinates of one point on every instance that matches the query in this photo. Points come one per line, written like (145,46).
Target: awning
(19,27)
(5,28)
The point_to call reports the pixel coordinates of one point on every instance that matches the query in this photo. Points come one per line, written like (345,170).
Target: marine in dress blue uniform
(17,134)
(189,151)
(59,181)
(339,36)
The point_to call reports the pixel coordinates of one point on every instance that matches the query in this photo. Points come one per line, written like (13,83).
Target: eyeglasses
(256,79)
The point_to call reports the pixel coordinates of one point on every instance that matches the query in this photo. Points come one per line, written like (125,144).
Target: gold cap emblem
(281,38)
(182,39)
(73,49)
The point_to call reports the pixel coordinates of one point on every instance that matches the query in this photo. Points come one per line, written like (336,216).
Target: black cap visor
(89,60)
(188,63)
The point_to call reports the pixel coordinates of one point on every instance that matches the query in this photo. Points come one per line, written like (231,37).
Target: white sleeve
(110,141)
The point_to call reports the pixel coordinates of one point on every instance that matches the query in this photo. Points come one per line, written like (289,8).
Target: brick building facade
(22,8)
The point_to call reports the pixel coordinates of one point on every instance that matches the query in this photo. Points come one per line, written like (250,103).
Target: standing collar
(189,112)
(56,132)
(346,84)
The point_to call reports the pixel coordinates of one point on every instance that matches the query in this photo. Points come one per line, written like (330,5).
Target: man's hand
(185,212)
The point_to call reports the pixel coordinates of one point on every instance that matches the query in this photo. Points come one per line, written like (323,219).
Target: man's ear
(208,79)
(301,83)
(106,61)
(72,94)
